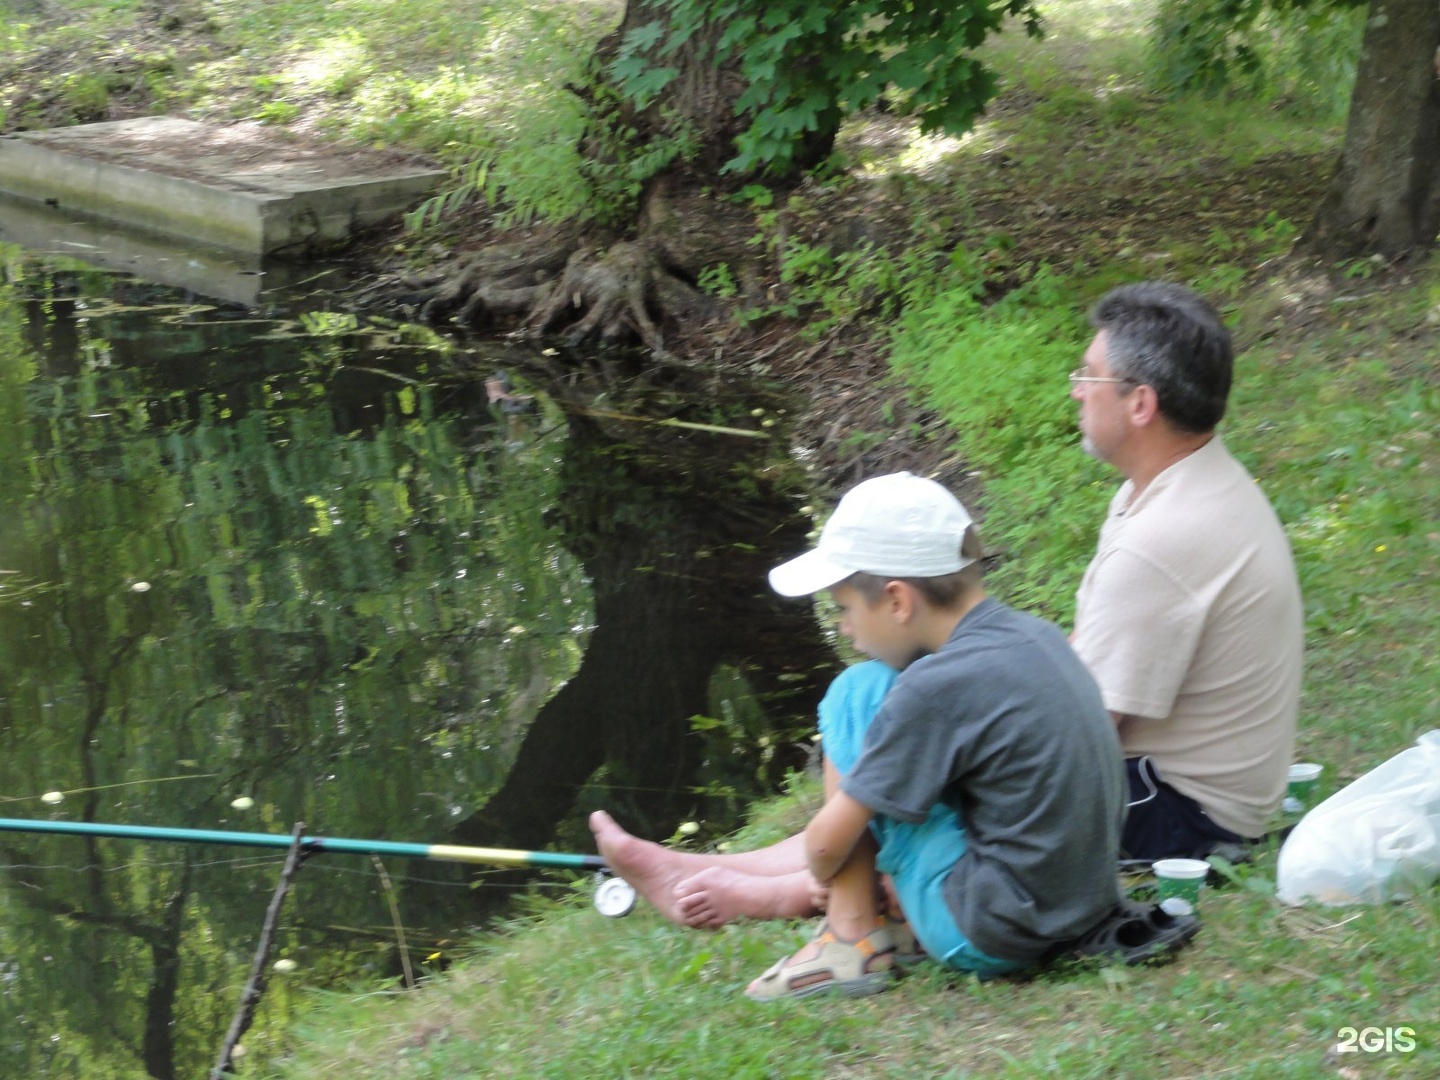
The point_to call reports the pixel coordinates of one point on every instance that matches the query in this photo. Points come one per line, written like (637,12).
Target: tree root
(493,286)
(623,293)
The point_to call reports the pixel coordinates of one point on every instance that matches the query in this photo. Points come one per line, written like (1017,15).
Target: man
(1189,615)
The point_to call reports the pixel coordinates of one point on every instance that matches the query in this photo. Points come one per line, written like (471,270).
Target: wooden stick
(395,919)
(250,996)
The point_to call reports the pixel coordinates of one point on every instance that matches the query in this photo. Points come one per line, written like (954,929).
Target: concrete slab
(241,187)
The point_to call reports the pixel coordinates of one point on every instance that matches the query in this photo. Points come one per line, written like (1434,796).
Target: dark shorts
(1161,823)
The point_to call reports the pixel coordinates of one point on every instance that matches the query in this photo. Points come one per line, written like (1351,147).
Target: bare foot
(716,895)
(652,869)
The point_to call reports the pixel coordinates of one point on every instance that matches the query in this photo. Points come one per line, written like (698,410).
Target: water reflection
(305,562)
(230,276)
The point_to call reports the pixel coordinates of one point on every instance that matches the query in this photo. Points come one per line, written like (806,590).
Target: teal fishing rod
(611,896)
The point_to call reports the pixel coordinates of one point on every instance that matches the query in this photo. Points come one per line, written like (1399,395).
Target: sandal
(1136,934)
(908,949)
(840,967)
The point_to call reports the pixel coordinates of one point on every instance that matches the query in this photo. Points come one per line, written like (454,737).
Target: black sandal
(1133,934)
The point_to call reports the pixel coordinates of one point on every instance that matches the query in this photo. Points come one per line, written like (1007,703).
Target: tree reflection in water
(306,563)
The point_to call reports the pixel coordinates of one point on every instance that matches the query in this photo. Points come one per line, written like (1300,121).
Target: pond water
(270,563)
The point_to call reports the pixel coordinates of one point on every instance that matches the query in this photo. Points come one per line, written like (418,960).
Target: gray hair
(1169,338)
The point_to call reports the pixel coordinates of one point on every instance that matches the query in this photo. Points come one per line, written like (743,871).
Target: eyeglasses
(1078,376)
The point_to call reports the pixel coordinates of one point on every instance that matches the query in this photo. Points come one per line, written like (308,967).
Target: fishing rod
(613,896)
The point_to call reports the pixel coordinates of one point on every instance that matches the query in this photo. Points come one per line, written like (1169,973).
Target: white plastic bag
(1376,840)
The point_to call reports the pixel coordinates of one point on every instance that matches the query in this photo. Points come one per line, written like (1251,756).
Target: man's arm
(1137,631)
(833,833)
(1119,719)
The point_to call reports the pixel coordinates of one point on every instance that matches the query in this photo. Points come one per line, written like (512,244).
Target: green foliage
(546,174)
(997,373)
(469,181)
(277,112)
(719,281)
(864,281)
(806,64)
(1299,53)
(544,178)
(619,159)
(87,94)
(833,285)
(1363,267)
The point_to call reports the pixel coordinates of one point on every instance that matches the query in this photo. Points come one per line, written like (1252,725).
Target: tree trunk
(639,286)
(701,99)
(1384,197)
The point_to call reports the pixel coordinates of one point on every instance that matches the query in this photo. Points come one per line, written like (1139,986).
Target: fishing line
(270,862)
(67,792)
(245,863)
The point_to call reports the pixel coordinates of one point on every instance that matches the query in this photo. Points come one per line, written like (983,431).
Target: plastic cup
(1302,779)
(1174,905)
(1180,879)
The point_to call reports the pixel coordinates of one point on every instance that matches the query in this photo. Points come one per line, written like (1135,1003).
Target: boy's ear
(901,599)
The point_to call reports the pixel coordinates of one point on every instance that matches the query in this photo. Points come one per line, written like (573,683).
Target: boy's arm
(833,833)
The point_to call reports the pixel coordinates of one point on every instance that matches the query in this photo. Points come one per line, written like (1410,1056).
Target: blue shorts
(919,856)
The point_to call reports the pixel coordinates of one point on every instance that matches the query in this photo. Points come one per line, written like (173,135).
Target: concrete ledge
(238,187)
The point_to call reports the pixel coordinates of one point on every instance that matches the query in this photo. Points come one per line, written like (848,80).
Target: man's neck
(1165,453)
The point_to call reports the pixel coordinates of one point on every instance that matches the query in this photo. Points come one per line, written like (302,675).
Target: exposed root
(623,293)
(494,286)
(620,294)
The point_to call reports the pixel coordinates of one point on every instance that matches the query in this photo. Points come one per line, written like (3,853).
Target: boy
(988,785)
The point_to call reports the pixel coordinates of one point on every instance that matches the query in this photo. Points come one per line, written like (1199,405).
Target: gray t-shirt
(1005,724)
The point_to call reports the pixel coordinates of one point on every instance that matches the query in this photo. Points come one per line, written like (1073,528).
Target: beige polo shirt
(1190,619)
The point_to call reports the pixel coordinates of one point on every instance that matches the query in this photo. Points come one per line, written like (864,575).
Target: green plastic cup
(1302,780)
(1180,878)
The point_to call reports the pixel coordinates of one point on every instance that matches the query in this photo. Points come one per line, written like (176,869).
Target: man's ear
(1142,405)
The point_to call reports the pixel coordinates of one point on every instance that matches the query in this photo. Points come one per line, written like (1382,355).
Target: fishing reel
(614,896)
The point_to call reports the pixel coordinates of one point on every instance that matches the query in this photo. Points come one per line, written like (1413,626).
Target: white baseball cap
(894,526)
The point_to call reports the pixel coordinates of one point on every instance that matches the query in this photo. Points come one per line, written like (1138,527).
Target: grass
(567,993)
(479,83)
(1081,176)
(430,75)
